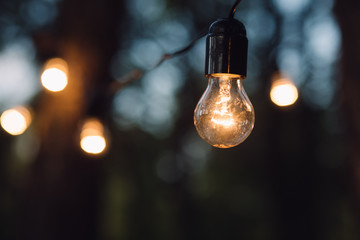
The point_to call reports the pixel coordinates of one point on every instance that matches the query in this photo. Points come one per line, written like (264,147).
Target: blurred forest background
(296,177)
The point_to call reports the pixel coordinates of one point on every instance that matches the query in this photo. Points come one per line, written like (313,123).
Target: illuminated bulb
(54,77)
(224,116)
(283,92)
(92,137)
(16,120)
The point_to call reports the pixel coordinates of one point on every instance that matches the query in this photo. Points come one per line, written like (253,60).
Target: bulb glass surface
(224,116)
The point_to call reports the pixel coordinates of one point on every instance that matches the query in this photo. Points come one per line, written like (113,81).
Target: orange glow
(15,120)
(92,137)
(222,115)
(54,77)
(283,92)
(225,75)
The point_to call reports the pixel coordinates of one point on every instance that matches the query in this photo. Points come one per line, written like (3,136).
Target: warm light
(93,144)
(224,116)
(223,119)
(16,120)
(54,77)
(92,137)
(283,92)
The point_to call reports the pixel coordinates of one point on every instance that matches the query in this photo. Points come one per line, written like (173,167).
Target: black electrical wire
(167,56)
(188,47)
(138,73)
(233,9)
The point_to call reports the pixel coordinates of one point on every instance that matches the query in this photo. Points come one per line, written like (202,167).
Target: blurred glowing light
(291,61)
(16,120)
(261,25)
(323,39)
(291,7)
(92,137)
(283,92)
(154,8)
(18,76)
(54,78)
(39,13)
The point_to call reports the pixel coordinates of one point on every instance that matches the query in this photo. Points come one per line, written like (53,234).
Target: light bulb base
(226,48)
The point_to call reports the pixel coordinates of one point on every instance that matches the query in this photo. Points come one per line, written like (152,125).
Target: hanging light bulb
(92,137)
(54,77)
(16,120)
(224,116)
(283,92)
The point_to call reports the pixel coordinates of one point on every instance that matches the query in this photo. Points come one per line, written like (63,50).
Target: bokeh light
(283,92)
(291,7)
(18,78)
(92,137)
(153,105)
(16,120)
(54,78)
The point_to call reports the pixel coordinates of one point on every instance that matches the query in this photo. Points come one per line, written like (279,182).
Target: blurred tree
(276,185)
(348,17)
(60,195)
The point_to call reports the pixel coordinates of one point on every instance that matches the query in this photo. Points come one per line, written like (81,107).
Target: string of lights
(224,116)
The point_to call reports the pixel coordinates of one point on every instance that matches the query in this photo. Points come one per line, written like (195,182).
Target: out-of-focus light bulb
(54,77)
(92,137)
(15,120)
(224,116)
(283,92)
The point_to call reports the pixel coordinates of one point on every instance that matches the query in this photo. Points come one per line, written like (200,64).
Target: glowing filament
(222,119)
(54,77)
(221,115)
(16,120)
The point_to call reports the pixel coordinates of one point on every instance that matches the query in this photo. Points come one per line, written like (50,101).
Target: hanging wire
(126,80)
(167,56)
(135,74)
(138,73)
(233,9)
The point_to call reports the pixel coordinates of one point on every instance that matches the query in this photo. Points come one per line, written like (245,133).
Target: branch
(138,73)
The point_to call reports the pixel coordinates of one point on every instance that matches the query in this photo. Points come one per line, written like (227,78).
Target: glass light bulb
(54,77)
(92,137)
(224,116)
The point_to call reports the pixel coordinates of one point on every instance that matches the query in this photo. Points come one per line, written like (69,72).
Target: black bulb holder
(226,48)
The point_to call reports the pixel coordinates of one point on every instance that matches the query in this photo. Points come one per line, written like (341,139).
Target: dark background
(296,177)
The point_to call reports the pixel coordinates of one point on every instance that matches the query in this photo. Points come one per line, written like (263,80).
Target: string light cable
(137,73)
(224,116)
(233,9)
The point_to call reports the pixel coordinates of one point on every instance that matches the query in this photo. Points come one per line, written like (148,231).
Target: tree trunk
(60,195)
(348,16)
